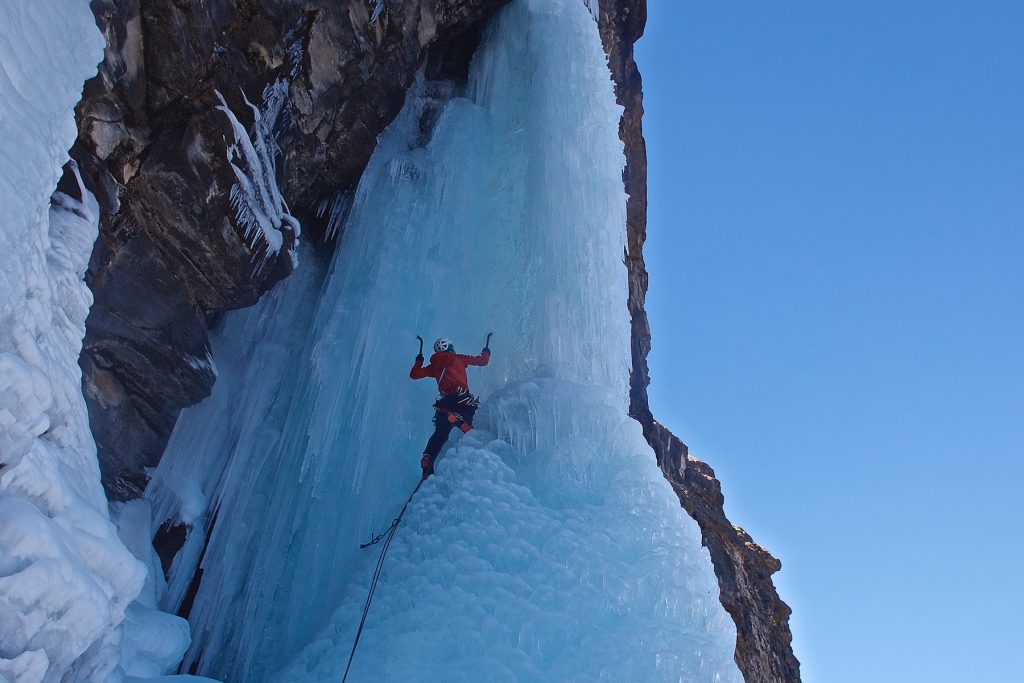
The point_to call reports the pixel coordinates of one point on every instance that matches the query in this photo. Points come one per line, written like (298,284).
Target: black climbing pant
(455,409)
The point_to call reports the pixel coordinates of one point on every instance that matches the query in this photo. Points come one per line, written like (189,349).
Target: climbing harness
(387,535)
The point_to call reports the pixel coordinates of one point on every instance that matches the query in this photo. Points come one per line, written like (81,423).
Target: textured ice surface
(548,551)
(66,578)
(548,546)
(227,444)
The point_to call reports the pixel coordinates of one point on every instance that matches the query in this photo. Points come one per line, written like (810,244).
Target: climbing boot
(465,427)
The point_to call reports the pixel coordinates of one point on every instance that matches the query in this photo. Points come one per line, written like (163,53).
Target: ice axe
(487,342)
(421,344)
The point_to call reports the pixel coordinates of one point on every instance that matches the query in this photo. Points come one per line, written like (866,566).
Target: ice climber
(455,406)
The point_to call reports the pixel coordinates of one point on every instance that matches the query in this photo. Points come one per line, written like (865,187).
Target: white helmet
(443,344)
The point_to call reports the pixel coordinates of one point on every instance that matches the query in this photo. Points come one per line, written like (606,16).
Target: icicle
(378,8)
(334,210)
(548,546)
(259,207)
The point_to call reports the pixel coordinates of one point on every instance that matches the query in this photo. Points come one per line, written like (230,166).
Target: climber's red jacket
(449,369)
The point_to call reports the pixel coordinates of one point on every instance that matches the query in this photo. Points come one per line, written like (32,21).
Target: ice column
(548,546)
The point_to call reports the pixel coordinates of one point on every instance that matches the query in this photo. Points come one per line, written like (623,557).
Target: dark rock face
(171,257)
(764,650)
(152,146)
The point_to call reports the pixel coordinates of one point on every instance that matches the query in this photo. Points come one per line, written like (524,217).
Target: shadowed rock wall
(152,145)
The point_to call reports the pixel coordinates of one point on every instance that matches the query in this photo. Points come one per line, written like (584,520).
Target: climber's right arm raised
(418,371)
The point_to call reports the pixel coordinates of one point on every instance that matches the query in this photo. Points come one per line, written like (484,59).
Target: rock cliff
(171,255)
(764,650)
(151,141)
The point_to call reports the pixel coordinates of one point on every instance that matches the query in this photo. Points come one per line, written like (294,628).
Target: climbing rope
(387,535)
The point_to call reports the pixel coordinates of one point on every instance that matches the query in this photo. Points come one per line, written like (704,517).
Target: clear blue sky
(836,249)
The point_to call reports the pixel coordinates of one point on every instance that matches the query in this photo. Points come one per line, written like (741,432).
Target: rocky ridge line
(764,651)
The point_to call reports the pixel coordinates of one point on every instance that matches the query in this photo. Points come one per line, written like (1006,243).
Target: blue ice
(548,547)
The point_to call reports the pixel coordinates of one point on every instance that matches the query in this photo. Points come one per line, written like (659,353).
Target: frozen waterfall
(548,547)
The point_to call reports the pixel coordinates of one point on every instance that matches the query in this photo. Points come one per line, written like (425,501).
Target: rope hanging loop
(387,535)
